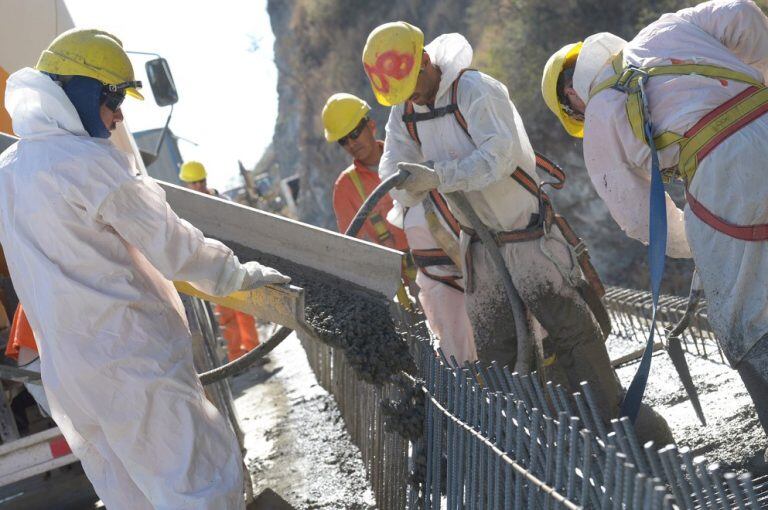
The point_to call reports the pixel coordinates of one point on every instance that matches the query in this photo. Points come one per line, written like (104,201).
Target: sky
(220,55)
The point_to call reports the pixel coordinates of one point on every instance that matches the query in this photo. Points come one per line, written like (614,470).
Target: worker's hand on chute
(421,178)
(257,275)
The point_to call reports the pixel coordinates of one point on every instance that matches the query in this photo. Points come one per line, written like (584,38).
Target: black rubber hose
(382,189)
(524,345)
(247,360)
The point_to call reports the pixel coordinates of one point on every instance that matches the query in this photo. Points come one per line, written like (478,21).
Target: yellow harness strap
(382,232)
(708,130)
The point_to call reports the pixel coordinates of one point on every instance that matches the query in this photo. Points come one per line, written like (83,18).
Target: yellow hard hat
(392,59)
(92,53)
(565,57)
(341,114)
(192,171)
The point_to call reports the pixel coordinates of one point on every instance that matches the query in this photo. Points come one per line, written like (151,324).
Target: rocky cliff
(318,44)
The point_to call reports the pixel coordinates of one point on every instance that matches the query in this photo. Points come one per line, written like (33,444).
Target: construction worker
(346,121)
(706,68)
(237,328)
(92,264)
(456,130)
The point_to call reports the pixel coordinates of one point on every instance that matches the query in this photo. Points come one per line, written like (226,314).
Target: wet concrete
(346,317)
(296,440)
(733,436)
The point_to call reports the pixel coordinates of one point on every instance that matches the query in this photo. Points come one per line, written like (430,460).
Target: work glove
(257,276)
(421,179)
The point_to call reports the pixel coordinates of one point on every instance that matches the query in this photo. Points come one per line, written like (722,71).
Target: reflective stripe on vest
(382,232)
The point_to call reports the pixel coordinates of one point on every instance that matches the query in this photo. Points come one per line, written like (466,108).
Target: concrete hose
(247,360)
(381,190)
(524,344)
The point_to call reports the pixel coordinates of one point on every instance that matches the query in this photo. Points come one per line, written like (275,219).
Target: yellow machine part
(281,304)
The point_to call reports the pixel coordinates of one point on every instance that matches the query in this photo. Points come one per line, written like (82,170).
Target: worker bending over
(346,121)
(456,129)
(237,328)
(92,264)
(706,68)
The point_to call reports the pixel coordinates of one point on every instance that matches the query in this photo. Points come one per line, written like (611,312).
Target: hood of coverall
(39,107)
(596,53)
(451,53)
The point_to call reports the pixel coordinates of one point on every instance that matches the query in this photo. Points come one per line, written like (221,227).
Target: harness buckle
(628,80)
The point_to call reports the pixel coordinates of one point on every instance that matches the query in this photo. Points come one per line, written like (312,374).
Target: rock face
(318,47)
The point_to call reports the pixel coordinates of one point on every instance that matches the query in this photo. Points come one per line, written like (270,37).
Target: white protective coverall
(730,181)
(482,168)
(443,305)
(91,247)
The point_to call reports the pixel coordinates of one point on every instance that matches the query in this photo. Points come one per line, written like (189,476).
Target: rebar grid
(522,444)
(631,309)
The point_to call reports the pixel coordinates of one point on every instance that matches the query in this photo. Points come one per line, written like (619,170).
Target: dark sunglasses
(354,133)
(112,100)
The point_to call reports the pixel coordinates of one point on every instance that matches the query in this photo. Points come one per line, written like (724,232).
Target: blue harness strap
(657,249)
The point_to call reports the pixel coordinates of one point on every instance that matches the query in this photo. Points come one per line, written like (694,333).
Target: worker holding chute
(684,99)
(346,121)
(92,265)
(456,130)
(237,328)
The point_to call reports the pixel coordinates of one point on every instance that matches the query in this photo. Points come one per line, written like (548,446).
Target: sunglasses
(354,133)
(112,100)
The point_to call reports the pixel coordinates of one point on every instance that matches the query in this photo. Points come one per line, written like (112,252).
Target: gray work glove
(257,276)
(421,179)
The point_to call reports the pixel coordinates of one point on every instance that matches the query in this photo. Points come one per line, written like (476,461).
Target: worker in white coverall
(93,262)
(727,40)
(480,162)
(346,121)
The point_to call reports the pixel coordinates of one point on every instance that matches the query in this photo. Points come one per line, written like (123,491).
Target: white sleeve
(497,132)
(138,212)
(399,147)
(739,25)
(618,164)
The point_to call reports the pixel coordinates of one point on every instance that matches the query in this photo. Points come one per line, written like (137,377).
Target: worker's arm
(135,207)
(345,207)
(399,147)
(498,134)
(619,166)
(739,25)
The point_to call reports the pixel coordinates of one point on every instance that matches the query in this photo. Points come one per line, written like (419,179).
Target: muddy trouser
(753,369)
(573,335)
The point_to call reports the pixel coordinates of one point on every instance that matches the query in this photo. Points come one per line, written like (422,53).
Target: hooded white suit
(730,181)
(482,167)
(91,247)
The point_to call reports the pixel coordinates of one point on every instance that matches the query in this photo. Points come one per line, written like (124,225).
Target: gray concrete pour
(732,436)
(296,439)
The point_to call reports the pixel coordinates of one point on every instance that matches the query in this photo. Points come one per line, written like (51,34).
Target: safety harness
(542,222)
(695,144)
(425,259)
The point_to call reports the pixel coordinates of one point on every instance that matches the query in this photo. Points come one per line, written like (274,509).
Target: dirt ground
(296,441)
(732,436)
